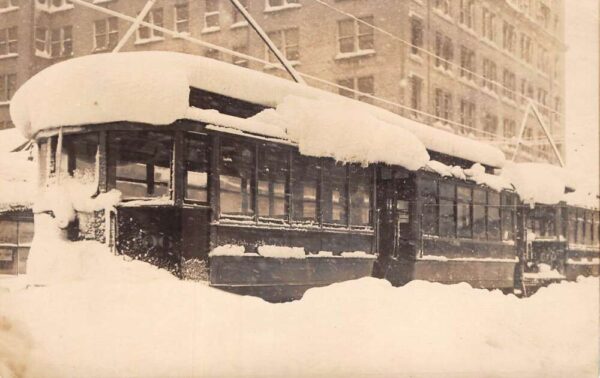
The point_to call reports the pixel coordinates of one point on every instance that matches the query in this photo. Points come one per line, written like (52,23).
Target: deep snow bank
(118,319)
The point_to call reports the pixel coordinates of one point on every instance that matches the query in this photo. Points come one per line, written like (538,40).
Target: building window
(467,115)
(335,194)
(509,37)
(139,163)
(467,63)
(236,178)
(6,5)
(509,127)
(488,24)
(196,168)
(416,35)
(61,42)
(182,18)
(364,84)
(544,16)
(354,36)
(238,61)
(8,86)
(526,48)
(510,84)
(8,41)
(41,41)
(144,33)
(442,5)
(444,51)
(490,123)
(237,18)
(288,42)
(489,74)
(360,187)
(281,3)
(447,225)
(106,33)
(467,13)
(443,105)
(304,183)
(211,15)
(416,93)
(543,60)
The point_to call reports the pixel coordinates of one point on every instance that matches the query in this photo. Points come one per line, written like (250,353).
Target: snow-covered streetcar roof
(153,88)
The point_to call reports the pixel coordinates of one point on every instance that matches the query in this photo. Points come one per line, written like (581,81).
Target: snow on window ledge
(9,55)
(443,15)
(9,9)
(181,35)
(270,9)
(239,24)
(101,1)
(42,54)
(467,28)
(144,41)
(272,66)
(446,71)
(210,29)
(416,57)
(4,103)
(53,9)
(354,54)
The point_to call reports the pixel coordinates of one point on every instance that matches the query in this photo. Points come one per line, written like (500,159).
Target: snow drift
(117,318)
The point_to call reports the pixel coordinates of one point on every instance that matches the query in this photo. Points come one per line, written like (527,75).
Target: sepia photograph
(299,188)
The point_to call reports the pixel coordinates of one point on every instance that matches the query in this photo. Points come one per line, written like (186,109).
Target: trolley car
(200,182)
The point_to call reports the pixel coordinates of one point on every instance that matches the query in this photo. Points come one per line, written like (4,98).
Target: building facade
(463,65)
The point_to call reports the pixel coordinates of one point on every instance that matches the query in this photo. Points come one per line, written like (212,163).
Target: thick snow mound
(18,172)
(120,319)
(345,133)
(537,182)
(153,88)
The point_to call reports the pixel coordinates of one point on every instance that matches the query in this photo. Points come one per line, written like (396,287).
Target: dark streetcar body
(190,187)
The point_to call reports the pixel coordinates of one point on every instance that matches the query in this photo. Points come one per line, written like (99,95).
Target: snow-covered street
(126,318)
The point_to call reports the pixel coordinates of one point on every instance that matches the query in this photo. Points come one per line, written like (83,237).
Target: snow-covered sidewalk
(129,319)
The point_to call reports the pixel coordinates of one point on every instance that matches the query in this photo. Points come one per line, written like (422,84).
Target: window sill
(42,54)
(211,29)
(470,82)
(282,8)
(354,54)
(4,103)
(467,29)
(443,15)
(445,71)
(239,24)
(8,9)
(273,66)
(148,40)
(52,9)
(8,56)
(102,1)
(181,35)
(416,58)
(489,42)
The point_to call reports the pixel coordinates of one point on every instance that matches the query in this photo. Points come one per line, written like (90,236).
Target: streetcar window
(272,181)
(8,231)
(588,228)
(572,225)
(596,228)
(335,194)
(43,151)
(236,167)
(447,225)
(580,226)
(305,174)
(479,202)
(428,192)
(25,232)
(507,211)
(140,163)
(493,216)
(360,196)
(78,157)
(196,168)
(463,212)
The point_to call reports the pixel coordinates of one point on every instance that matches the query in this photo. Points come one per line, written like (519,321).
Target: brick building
(463,65)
